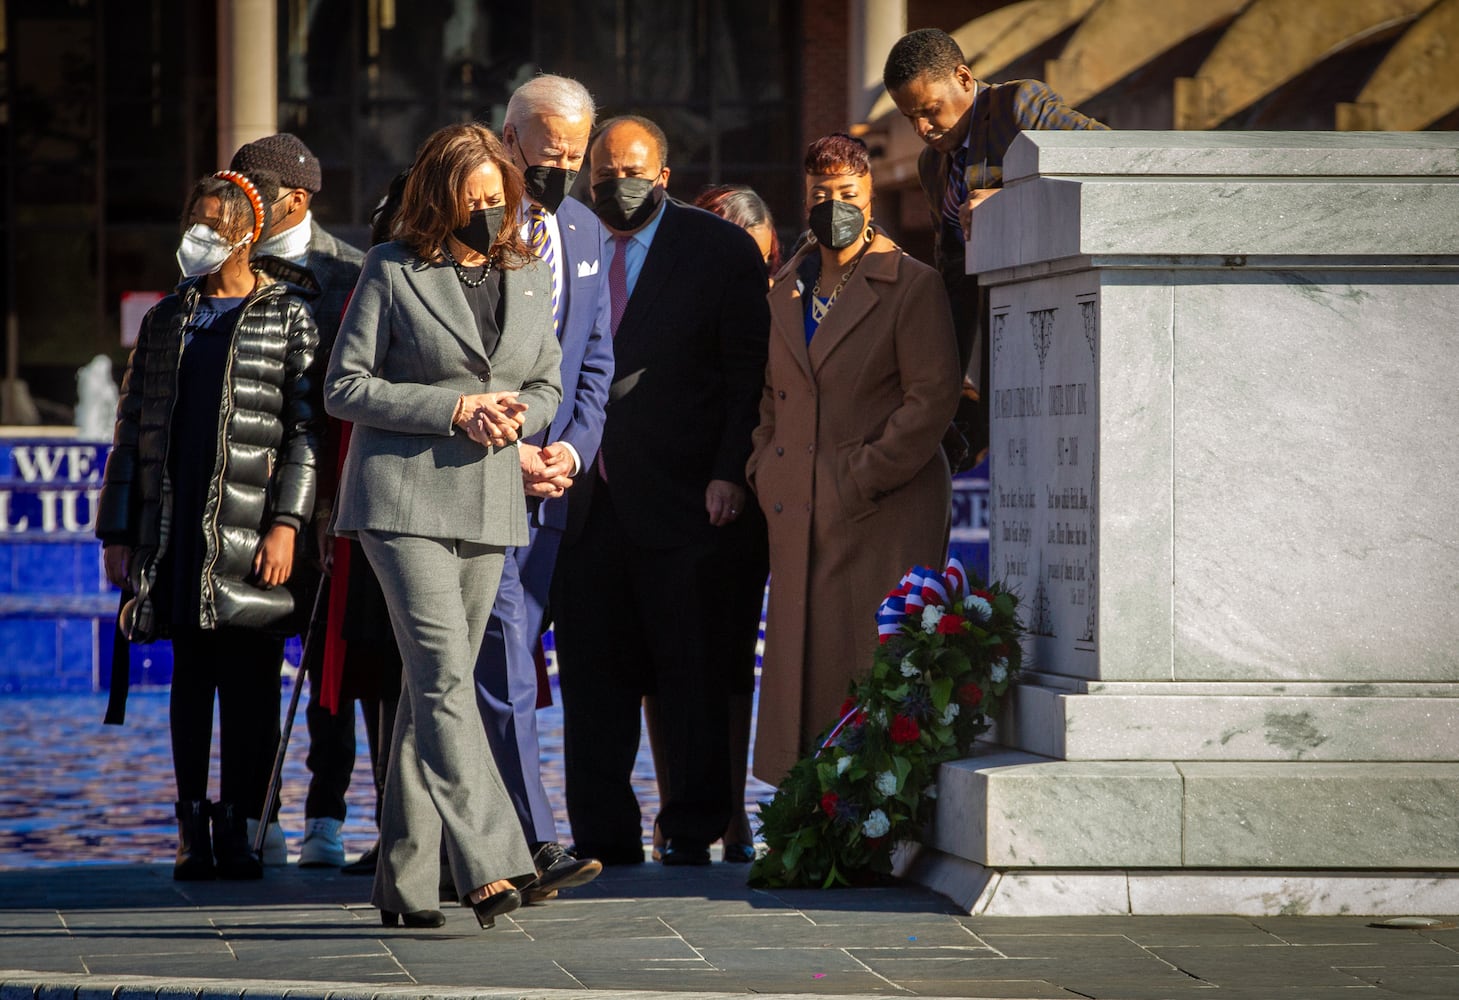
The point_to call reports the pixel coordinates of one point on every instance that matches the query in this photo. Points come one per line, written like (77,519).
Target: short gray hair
(549,94)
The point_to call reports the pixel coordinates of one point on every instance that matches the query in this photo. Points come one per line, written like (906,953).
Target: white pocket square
(586,270)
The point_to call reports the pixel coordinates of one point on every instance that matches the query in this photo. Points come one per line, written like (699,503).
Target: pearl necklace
(469,282)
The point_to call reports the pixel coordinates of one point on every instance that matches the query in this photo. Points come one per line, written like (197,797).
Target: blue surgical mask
(203,250)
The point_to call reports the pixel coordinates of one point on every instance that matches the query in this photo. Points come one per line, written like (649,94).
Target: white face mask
(203,250)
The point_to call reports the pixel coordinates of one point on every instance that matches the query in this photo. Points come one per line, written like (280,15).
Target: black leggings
(242,667)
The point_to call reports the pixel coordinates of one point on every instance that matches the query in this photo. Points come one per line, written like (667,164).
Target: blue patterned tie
(957,188)
(541,242)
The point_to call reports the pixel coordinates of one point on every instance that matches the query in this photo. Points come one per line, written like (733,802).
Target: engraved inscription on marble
(1044,462)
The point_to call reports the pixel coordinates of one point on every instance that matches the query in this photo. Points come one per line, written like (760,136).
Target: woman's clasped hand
(492,419)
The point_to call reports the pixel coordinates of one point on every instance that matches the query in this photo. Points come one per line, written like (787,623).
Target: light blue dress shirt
(637,248)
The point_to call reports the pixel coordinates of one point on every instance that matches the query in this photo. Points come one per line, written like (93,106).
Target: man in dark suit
(546,132)
(295,236)
(638,588)
(967,125)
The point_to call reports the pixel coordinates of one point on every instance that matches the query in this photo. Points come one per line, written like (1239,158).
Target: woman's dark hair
(433,203)
(741,205)
(927,50)
(837,153)
(239,215)
(382,219)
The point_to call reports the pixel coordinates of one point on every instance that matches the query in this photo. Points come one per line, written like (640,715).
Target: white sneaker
(323,847)
(275,853)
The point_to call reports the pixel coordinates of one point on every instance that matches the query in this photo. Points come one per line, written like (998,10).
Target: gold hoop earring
(870,234)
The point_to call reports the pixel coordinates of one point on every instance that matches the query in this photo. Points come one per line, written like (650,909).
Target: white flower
(909,669)
(950,712)
(876,824)
(930,791)
(879,717)
(886,783)
(931,615)
(999,673)
(843,765)
(976,607)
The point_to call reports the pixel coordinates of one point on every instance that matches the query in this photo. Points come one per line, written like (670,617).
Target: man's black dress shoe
(680,853)
(556,869)
(366,864)
(495,905)
(413,918)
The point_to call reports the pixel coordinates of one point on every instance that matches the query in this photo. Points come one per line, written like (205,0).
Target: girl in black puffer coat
(210,478)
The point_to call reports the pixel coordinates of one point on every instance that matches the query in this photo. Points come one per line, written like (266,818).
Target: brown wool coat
(848,468)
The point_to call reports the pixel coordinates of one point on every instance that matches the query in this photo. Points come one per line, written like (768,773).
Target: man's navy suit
(642,582)
(506,675)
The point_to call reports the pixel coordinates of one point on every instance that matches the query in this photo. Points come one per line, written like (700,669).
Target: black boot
(231,848)
(194,846)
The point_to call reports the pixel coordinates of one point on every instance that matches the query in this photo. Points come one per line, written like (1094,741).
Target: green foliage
(933,687)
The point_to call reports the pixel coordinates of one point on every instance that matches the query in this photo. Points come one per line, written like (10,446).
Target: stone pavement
(128,932)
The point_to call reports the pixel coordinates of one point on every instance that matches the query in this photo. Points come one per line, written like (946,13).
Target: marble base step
(1049,892)
(1235,722)
(1008,809)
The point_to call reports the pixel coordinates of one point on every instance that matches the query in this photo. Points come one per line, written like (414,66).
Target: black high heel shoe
(496,905)
(413,918)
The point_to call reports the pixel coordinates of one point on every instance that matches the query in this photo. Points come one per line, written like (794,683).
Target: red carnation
(904,730)
(846,706)
(884,638)
(984,595)
(970,695)
(859,719)
(828,804)
(950,624)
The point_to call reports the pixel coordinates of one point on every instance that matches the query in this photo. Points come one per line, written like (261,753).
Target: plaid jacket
(999,112)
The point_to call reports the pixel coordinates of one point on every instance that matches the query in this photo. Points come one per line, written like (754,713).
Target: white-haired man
(548,122)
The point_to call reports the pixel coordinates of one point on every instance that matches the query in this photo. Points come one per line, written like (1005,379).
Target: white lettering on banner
(43,464)
(50,489)
(6,525)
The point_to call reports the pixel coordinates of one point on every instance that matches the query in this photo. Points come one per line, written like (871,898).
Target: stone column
(1225,452)
(875,27)
(248,75)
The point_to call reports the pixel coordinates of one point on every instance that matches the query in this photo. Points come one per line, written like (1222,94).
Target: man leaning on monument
(967,125)
(293,235)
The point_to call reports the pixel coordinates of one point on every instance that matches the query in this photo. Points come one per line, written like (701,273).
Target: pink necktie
(618,301)
(618,280)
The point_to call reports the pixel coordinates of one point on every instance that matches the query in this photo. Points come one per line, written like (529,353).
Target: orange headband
(254,198)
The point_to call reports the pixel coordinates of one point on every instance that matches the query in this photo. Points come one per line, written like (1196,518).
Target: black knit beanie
(281,154)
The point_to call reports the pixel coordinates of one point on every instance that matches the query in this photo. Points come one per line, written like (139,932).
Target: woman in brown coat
(847,465)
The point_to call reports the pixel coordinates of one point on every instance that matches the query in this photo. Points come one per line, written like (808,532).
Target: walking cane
(276,778)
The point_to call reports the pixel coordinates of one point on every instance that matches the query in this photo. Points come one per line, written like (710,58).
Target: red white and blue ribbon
(915,591)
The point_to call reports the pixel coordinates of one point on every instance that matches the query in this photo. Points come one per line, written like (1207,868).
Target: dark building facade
(108,113)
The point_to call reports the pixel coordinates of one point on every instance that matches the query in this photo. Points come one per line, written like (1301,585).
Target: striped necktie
(957,188)
(541,242)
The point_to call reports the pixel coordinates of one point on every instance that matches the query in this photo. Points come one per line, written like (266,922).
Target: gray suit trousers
(442,778)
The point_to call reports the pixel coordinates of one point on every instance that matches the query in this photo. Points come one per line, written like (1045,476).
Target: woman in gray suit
(444,358)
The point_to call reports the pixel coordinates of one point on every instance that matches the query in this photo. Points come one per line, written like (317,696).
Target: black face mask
(547,186)
(625,203)
(480,233)
(837,224)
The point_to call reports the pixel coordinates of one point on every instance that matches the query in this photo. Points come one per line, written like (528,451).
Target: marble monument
(1224,462)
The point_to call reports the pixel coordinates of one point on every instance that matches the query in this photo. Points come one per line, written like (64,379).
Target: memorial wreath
(948,652)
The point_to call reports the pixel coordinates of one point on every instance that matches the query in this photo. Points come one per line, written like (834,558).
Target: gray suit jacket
(408,347)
